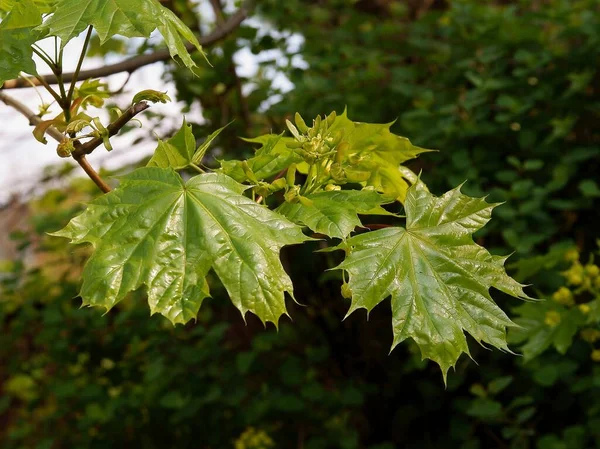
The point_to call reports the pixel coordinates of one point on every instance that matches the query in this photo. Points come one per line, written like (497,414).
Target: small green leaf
(201,151)
(177,151)
(155,230)
(153,96)
(438,278)
(334,213)
(272,157)
(373,148)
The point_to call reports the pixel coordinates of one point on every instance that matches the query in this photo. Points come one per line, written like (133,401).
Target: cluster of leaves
(29,21)
(71,379)
(574,309)
(507,92)
(437,276)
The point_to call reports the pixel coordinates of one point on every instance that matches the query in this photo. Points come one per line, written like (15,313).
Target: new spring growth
(315,143)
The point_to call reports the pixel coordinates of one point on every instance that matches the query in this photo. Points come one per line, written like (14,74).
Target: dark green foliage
(510,96)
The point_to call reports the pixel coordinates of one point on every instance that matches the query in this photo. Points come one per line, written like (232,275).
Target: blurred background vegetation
(507,91)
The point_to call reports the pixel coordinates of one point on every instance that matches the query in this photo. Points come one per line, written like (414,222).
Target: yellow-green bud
(248,172)
(552,318)
(572,255)
(295,144)
(290,176)
(305,201)
(263,189)
(584,308)
(330,119)
(278,184)
(563,296)
(595,355)
(291,196)
(300,123)
(317,125)
(338,173)
(331,187)
(346,292)
(65,148)
(292,129)
(592,270)
(357,175)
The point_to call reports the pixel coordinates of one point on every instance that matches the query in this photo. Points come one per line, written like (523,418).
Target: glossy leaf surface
(374,148)
(272,157)
(16,37)
(175,152)
(438,278)
(155,230)
(334,213)
(130,18)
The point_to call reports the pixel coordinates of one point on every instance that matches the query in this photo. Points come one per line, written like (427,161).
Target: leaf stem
(195,167)
(79,63)
(52,92)
(44,57)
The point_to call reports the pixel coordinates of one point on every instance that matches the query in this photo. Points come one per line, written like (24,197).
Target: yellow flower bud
(563,296)
(592,270)
(572,255)
(346,292)
(300,123)
(595,355)
(584,308)
(552,318)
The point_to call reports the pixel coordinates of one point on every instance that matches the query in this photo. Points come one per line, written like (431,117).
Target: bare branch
(132,64)
(33,118)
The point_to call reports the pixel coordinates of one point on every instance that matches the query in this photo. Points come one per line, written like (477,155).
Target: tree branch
(81,149)
(93,174)
(136,62)
(33,118)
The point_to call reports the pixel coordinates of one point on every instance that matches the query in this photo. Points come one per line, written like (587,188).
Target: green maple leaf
(155,230)
(438,278)
(130,18)
(17,34)
(334,213)
(272,157)
(176,152)
(180,150)
(373,148)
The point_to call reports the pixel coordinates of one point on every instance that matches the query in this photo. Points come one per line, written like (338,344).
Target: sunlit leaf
(437,277)
(155,230)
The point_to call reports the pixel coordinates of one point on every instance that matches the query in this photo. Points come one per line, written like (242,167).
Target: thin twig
(244,109)
(33,118)
(132,64)
(93,174)
(89,146)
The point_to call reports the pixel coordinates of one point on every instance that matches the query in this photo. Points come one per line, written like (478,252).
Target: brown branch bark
(81,149)
(93,174)
(244,109)
(33,118)
(132,64)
